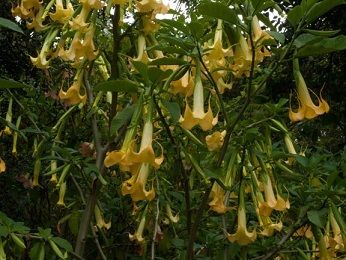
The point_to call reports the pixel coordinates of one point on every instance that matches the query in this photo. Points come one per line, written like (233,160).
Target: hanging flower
(72,96)
(173,219)
(136,185)
(217,203)
(215,140)
(62,191)
(138,235)
(268,227)
(146,152)
(197,116)
(79,22)
(2,166)
(307,108)
(215,59)
(242,58)
(258,35)
(155,6)
(242,235)
(62,14)
(100,221)
(184,85)
(141,48)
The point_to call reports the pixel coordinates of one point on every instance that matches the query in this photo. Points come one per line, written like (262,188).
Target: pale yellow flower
(184,85)
(61,13)
(155,6)
(307,108)
(268,227)
(136,185)
(173,219)
(73,96)
(217,195)
(215,140)
(100,221)
(79,22)
(37,21)
(92,4)
(62,191)
(138,235)
(197,116)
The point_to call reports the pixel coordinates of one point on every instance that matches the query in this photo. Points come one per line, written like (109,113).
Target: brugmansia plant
(155,139)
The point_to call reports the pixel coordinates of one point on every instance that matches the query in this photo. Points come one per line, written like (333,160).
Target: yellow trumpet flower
(258,35)
(215,59)
(197,116)
(217,203)
(72,96)
(307,108)
(172,218)
(2,165)
(92,4)
(141,49)
(79,22)
(37,21)
(138,235)
(146,152)
(100,221)
(155,6)
(61,13)
(183,86)
(62,191)
(268,227)
(242,235)
(136,185)
(215,140)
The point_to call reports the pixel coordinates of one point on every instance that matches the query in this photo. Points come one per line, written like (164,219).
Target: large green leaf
(121,119)
(168,61)
(295,14)
(10,25)
(176,24)
(320,8)
(220,11)
(118,85)
(323,46)
(9,83)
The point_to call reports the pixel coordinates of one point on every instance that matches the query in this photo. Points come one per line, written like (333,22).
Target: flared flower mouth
(72,96)
(136,185)
(215,140)
(183,86)
(61,13)
(268,227)
(242,235)
(197,116)
(217,203)
(100,221)
(306,106)
(138,235)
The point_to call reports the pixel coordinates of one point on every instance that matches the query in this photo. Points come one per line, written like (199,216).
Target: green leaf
(117,85)
(176,24)
(280,37)
(321,33)
(196,29)
(323,46)
(157,75)
(219,11)
(305,39)
(73,222)
(295,15)
(142,69)
(63,243)
(174,41)
(168,61)
(18,241)
(45,233)
(37,251)
(121,119)
(9,83)
(8,24)
(317,217)
(320,8)
(174,110)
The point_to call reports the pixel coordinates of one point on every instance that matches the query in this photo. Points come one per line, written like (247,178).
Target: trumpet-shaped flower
(277,203)
(142,53)
(268,227)
(23,12)
(242,58)
(172,218)
(183,86)
(242,235)
(258,35)
(138,235)
(337,236)
(215,59)
(217,203)
(61,13)
(100,221)
(155,6)
(62,191)
(37,21)
(41,61)
(215,140)
(79,22)
(197,116)
(136,185)
(2,166)
(146,152)
(72,96)
(89,48)
(307,108)
(28,4)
